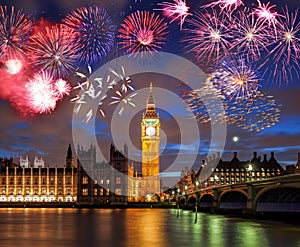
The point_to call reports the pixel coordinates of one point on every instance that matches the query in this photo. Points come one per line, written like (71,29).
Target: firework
(177,10)
(236,77)
(228,5)
(62,88)
(266,13)
(208,36)
(94,32)
(15,29)
(52,50)
(13,66)
(121,98)
(41,94)
(251,36)
(125,80)
(282,63)
(142,32)
(195,99)
(255,115)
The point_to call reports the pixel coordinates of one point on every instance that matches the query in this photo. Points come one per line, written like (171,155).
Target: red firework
(53,50)
(15,29)
(142,32)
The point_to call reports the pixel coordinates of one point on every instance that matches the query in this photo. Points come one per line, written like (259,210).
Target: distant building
(38,162)
(22,183)
(102,183)
(24,162)
(231,172)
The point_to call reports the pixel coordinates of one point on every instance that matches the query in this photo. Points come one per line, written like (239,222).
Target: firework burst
(41,94)
(208,36)
(255,115)
(177,10)
(266,13)
(120,98)
(15,29)
(121,76)
(227,5)
(237,78)
(142,32)
(62,88)
(251,36)
(53,51)
(94,32)
(282,62)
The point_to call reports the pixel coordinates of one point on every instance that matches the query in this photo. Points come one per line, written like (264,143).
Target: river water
(137,227)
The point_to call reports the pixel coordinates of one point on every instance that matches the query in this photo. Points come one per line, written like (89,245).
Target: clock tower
(150,128)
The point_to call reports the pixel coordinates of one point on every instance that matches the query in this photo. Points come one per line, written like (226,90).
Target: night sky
(49,135)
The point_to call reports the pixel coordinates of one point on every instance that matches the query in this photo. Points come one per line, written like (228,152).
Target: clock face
(150,131)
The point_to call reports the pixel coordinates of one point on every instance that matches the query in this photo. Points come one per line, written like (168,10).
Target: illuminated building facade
(148,183)
(22,183)
(231,172)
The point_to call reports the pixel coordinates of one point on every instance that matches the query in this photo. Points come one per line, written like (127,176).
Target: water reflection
(137,227)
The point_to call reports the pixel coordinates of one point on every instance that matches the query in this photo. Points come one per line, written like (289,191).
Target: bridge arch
(278,199)
(233,199)
(191,202)
(206,201)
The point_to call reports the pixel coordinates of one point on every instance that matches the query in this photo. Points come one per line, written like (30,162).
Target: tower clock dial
(150,131)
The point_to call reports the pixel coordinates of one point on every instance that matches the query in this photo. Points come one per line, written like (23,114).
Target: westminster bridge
(277,194)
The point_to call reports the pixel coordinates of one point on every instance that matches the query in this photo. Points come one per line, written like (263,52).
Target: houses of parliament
(86,182)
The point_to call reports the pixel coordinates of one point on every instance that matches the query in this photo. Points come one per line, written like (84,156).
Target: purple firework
(15,29)
(94,32)
(208,36)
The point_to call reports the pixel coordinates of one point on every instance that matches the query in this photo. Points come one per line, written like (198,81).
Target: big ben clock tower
(150,127)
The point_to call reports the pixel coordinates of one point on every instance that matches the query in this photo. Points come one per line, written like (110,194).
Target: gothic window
(118,180)
(95,192)
(84,180)
(84,192)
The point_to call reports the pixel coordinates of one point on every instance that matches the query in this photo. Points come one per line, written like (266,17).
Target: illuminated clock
(150,131)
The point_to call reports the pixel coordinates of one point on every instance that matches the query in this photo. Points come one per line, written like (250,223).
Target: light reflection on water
(137,227)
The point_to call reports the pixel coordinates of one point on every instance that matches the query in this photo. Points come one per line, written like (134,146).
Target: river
(138,227)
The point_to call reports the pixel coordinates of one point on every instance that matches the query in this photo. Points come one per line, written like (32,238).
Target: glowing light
(13,66)
(235,139)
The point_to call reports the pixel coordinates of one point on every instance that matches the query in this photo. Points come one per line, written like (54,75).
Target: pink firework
(228,5)
(41,94)
(283,60)
(251,36)
(266,13)
(62,88)
(53,50)
(208,36)
(142,32)
(177,10)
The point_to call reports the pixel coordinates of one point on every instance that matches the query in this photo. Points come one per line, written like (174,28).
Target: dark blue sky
(50,135)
